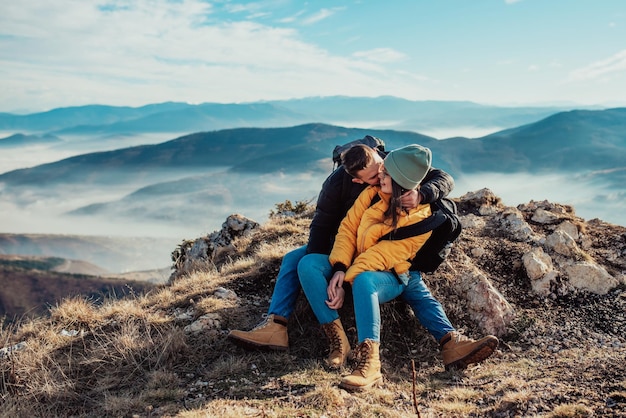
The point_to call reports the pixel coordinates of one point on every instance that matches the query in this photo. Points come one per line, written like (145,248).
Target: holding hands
(335,291)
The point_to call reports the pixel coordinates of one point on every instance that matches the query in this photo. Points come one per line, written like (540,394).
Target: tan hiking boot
(459,351)
(367,371)
(339,344)
(271,334)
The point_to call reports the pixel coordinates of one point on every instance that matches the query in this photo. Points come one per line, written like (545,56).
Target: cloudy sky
(134,52)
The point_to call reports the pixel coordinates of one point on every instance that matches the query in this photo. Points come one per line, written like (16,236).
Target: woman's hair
(356,158)
(360,156)
(395,206)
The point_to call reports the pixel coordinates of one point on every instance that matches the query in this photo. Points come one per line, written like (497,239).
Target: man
(338,193)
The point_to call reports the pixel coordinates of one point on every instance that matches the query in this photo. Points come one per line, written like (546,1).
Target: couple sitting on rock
(344,247)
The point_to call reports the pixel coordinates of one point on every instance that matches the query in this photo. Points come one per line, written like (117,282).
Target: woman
(377,270)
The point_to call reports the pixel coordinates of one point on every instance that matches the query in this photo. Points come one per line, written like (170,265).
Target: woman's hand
(336,294)
(410,199)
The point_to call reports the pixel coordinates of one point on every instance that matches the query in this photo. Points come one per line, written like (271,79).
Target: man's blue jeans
(426,308)
(287,287)
(369,290)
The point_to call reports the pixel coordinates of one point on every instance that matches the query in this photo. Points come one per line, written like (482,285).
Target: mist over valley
(169,186)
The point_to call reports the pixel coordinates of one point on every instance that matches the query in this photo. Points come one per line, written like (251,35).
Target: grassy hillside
(563,356)
(30,285)
(112,254)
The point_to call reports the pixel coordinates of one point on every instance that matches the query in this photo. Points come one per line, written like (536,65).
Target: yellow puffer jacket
(357,247)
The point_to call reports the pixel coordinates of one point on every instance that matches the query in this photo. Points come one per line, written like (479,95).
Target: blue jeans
(426,308)
(369,290)
(287,287)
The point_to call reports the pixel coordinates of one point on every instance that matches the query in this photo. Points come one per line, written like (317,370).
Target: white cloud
(134,52)
(253,10)
(292,18)
(383,55)
(242,8)
(71,52)
(614,64)
(321,15)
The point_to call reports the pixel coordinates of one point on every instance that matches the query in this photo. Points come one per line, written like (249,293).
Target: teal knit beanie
(408,165)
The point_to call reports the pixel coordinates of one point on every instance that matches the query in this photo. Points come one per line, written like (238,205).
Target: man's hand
(410,199)
(336,294)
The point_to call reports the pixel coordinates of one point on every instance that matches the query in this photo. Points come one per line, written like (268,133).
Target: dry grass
(571,411)
(85,356)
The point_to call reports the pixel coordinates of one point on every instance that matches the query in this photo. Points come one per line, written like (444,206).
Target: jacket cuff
(427,196)
(339,267)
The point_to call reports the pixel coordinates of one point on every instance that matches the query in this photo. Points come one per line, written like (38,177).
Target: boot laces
(265,322)
(362,358)
(334,337)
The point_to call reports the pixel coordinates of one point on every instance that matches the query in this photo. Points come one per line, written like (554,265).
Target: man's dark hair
(356,158)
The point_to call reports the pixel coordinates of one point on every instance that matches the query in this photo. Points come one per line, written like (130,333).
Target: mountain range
(191,183)
(591,143)
(389,112)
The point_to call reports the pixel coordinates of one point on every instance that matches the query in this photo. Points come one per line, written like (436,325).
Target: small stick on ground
(417,411)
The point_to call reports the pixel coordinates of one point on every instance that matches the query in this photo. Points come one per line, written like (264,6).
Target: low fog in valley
(12,158)
(190,205)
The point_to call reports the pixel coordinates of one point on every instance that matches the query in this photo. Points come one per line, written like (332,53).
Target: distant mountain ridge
(558,142)
(114,254)
(30,285)
(401,114)
(390,112)
(193,118)
(208,173)
(194,181)
(18,140)
(291,149)
(576,141)
(61,118)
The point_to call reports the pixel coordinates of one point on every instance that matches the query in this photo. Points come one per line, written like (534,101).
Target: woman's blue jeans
(369,290)
(427,309)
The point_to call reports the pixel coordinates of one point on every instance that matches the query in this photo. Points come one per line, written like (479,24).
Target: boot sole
(479,354)
(250,345)
(352,388)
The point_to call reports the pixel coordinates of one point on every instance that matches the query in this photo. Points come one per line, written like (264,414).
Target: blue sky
(124,52)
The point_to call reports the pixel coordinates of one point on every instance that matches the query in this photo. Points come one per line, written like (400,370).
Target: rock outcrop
(542,246)
(197,254)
